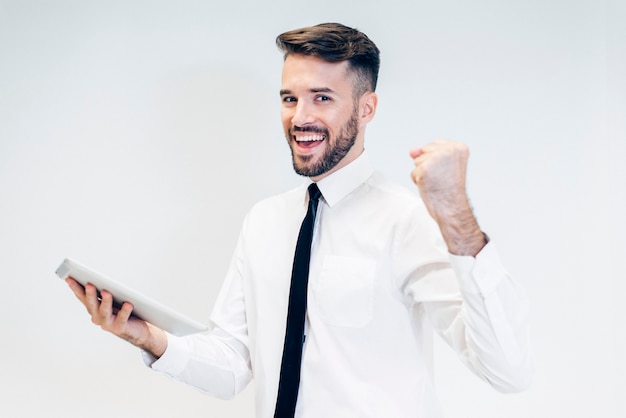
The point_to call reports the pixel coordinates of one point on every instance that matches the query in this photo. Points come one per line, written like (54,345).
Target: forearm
(155,342)
(460,229)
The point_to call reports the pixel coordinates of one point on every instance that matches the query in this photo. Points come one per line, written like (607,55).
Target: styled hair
(334,42)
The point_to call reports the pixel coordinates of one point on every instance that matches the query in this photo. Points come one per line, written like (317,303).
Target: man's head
(334,42)
(328,84)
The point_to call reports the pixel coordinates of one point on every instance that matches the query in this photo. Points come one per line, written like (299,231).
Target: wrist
(461,233)
(156,342)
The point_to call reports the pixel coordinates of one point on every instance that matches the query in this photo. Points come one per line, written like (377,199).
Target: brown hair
(334,42)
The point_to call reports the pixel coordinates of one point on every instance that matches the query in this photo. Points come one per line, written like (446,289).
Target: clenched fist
(439,173)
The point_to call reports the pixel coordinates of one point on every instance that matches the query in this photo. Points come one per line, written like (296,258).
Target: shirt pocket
(344,291)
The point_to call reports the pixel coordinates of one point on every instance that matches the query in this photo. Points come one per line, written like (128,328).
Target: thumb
(415,152)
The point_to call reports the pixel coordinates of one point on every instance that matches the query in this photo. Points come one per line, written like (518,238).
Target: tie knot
(314,192)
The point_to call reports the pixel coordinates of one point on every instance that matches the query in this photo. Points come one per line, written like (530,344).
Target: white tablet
(144,308)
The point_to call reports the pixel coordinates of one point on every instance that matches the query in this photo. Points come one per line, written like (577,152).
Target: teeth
(310,138)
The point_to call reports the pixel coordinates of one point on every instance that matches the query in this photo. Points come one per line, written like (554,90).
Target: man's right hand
(119,321)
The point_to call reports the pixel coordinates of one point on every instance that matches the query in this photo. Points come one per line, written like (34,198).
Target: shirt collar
(344,181)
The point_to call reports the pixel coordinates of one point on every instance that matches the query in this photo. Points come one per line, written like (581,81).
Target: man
(379,269)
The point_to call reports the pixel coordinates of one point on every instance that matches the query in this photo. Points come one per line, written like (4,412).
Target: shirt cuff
(481,274)
(174,359)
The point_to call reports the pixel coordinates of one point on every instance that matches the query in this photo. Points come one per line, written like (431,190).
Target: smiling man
(323,116)
(340,329)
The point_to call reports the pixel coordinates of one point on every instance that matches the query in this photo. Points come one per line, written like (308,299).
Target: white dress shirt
(381,279)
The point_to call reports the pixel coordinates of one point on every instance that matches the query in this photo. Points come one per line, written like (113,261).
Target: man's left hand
(440,173)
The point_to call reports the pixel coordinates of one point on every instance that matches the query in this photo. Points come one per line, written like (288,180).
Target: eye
(289,99)
(323,99)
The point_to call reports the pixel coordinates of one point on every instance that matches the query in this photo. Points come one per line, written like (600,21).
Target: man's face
(320,115)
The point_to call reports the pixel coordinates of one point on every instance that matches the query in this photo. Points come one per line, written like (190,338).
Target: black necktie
(294,336)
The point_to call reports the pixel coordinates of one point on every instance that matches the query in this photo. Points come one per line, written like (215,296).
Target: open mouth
(309,141)
(309,138)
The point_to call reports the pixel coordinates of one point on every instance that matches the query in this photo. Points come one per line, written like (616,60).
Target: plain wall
(135,135)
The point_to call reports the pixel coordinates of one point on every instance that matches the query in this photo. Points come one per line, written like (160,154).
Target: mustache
(310,129)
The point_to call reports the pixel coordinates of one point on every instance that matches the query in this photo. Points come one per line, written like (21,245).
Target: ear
(367,107)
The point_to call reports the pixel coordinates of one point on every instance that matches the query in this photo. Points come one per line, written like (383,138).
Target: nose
(302,114)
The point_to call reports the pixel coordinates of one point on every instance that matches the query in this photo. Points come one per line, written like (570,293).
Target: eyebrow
(313,90)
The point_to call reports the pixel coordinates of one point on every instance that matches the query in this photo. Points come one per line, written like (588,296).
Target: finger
(77,289)
(417,174)
(415,152)
(105,309)
(92,303)
(124,312)
(120,325)
(433,146)
(418,152)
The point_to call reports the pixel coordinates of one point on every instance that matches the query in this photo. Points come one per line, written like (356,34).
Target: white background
(134,136)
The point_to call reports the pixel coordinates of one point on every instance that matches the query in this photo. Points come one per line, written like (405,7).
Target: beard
(334,153)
